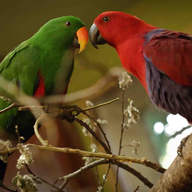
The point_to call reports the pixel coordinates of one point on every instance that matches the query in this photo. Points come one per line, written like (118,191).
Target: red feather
(41,87)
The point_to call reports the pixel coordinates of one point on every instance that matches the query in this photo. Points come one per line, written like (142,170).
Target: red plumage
(159,58)
(40,90)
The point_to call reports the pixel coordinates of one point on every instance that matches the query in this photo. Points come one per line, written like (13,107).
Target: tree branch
(100,128)
(104,84)
(134,172)
(7,188)
(67,178)
(178,176)
(141,161)
(93,133)
(13,105)
(121,135)
(42,141)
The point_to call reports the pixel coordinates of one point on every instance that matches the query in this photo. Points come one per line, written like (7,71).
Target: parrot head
(114,27)
(63,32)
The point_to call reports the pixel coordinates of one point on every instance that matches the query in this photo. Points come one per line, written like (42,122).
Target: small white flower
(94,128)
(94,147)
(125,81)
(85,132)
(135,144)
(132,113)
(100,189)
(5,145)
(5,99)
(105,177)
(88,160)
(102,122)
(25,157)
(87,121)
(89,104)
(25,183)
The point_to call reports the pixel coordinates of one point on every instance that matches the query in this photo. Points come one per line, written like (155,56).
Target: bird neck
(131,56)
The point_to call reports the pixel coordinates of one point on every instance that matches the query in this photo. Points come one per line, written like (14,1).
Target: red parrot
(161,59)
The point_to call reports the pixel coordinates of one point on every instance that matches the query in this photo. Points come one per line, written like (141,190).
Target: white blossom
(5,99)
(135,144)
(25,157)
(105,177)
(132,113)
(87,121)
(25,183)
(88,160)
(102,121)
(100,189)
(125,81)
(89,104)
(94,147)
(85,132)
(5,145)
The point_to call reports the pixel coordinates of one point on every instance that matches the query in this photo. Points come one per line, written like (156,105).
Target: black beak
(95,36)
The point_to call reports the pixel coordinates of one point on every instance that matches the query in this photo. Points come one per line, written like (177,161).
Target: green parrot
(42,65)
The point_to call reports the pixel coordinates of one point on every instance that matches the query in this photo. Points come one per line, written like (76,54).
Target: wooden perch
(178,177)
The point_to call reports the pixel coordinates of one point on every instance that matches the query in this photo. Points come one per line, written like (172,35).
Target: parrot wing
(171,53)
(7,60)
(20,67)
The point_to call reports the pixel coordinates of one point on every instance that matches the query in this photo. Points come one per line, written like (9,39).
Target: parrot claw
(182,144)
(69,113)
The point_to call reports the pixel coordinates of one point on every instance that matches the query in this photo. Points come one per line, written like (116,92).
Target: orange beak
(83,36)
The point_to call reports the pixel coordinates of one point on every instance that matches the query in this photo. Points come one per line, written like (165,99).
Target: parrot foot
(69,113)
(182,144)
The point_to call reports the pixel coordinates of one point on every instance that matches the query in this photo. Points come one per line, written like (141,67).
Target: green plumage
(51,52)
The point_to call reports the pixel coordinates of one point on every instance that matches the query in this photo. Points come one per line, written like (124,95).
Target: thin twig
(99,126)
(137,189)
(7,188)
(106,175)
(13,105)
(93,133)
(17,132)
(134,172)
(97,175)
(67,178)
(92,142)
(181,131)
(23,108)
(42,141)
(121,136)
(104,84)
(44,181)
(100,105)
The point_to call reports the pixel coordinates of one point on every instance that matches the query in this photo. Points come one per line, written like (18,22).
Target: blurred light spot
(158,128)
(169,130)
(174,124)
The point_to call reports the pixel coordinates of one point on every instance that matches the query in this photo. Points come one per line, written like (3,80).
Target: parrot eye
(67,23)
(105,19)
